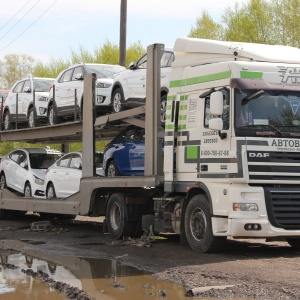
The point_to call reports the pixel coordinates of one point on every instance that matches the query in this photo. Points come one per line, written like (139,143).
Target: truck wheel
(116,218)
(7,122)
(198,227)
(117,100)
(163,107)
(294,242)
(52,117)
(2,181)
(27,190)
(50,193)
(112,169)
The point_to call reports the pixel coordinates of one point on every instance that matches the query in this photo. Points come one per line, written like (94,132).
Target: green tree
(50,69)
(286,22)
(250,22)
(14,67)
(206,28)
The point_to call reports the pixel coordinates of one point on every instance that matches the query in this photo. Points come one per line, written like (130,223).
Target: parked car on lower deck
(23,170)
(31,93)
(63,177)
(124,155)
(66,96)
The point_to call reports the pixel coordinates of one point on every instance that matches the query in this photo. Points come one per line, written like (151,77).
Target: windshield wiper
(253,95)
(264,132)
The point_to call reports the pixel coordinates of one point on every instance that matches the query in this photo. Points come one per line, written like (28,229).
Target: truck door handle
(204,168)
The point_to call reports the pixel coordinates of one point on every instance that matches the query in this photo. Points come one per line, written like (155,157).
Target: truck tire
(27,190)
(294,242)
(112,169)
(117,101)
(6,121)
(198,226)
(116,218)
(2,181)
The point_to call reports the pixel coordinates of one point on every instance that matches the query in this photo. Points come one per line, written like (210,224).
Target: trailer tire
(198,226)
(117,104)
(294,242)
(2,181)
(27,190)
(116,218)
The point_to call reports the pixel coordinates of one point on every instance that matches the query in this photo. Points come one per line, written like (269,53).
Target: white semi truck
(231,150)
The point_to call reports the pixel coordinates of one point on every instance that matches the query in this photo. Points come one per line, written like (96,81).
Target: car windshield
(42,160)
(104,71)
(42,85)
(268,110)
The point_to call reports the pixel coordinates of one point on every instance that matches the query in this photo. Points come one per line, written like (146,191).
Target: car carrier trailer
(206,175)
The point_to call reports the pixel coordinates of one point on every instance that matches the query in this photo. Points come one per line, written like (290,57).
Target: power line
(14,16)
(19,21)
(29,26)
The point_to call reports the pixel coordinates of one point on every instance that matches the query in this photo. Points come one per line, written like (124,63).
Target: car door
(21,171)
(25,98)
(11,99)
(74,174)
(134,84)
(77,85)
(63,92)
(9,167)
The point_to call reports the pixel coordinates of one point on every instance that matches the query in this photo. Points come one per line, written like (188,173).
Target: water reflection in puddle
(100,279)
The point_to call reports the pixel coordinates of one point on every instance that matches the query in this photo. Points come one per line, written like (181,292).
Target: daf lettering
(259,154)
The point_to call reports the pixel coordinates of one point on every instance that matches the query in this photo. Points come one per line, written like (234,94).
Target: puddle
(99,279)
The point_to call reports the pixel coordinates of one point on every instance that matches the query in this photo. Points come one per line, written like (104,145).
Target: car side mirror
(79,76)
(132,65)
(27,90)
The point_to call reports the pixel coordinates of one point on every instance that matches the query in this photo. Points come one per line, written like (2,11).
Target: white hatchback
(23,170)
(63,177)
(27,102)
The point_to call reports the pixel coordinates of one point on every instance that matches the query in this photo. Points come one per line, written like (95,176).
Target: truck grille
(283,207)
(274,166)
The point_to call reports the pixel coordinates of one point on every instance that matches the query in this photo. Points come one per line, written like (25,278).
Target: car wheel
(2,181)
(117,100)
(50,193)
(6,121)
(27,190)
(52,117)
(112,169)
(32,122)
(163,106)
(198,226)
(116,218)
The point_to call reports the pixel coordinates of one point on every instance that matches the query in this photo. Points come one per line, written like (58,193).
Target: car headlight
(38,180)
(103,85)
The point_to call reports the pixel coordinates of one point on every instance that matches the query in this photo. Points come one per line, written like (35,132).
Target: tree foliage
(14,67)
(50,69)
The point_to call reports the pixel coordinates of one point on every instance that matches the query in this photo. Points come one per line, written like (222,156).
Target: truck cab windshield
(270,112)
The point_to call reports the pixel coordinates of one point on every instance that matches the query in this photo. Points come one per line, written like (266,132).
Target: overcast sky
(45,28)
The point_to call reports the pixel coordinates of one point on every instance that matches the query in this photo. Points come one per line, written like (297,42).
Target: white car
(23,170)
(129,89)
(27,102)
(63,177)
(66,96)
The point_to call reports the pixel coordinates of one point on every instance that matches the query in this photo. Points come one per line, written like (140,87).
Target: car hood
(40,173)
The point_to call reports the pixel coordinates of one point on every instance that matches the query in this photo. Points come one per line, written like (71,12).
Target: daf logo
(259,154)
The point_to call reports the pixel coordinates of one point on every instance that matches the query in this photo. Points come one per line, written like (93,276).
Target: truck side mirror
(216,103)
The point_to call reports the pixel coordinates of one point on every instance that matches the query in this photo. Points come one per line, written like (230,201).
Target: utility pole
(123,25)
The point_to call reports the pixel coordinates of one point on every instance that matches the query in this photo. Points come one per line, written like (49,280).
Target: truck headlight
(245,207)
(38,180)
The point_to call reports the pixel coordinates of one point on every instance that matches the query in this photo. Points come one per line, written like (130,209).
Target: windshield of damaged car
(103,71)
(267,110)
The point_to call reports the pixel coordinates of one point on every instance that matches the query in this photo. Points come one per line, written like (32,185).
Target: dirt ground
(245,269)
